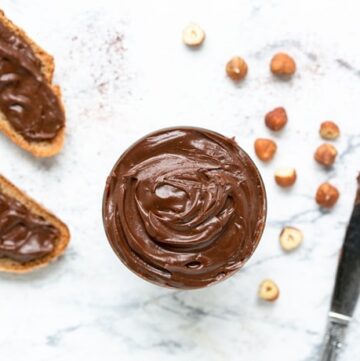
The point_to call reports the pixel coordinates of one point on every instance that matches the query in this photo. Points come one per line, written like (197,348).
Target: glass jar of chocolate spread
(184,207)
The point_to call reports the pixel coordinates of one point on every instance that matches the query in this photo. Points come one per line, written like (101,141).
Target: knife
(347,286)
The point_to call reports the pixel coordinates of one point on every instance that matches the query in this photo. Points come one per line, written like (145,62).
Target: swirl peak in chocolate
(184,207)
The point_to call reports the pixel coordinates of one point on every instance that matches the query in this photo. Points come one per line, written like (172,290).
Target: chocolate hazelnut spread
(357,198)
(184,207)
(24,236)
(26,99)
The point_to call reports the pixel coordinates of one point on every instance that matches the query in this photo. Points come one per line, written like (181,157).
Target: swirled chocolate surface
(26,99)
(184,207)
(24,236)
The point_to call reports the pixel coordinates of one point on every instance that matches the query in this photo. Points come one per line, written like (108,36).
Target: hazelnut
(236,68)
(282,64)
(285,177)
(265,149)
(276,119)
(329,130)
(290,238)
(327,195)
(193,35)
(268,290)
(325,154)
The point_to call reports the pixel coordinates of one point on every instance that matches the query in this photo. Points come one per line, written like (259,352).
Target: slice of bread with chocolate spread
(30,236)
(31,111)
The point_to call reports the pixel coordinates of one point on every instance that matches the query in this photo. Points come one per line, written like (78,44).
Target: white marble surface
(125,72)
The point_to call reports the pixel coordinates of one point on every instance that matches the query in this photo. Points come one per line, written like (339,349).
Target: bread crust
(44,148)
(11,266)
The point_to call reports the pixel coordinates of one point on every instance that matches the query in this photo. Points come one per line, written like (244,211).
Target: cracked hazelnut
(265,149)
(329,130)
(326,154)
(236,68)
(290,238)
(193,35)
(268,290)
(285,177)
(327,195)
(282,64)
(276,119)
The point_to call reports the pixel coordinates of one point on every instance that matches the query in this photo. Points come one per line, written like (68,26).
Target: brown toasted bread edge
(38,149)
(8,265)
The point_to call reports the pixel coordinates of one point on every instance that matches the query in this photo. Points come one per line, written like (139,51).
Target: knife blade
(347,286)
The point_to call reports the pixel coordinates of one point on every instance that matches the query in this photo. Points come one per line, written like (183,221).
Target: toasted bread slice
(9,265)
(44,148)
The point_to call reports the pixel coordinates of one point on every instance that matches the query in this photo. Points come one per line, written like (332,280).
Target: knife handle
(347,284)
(334,339)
